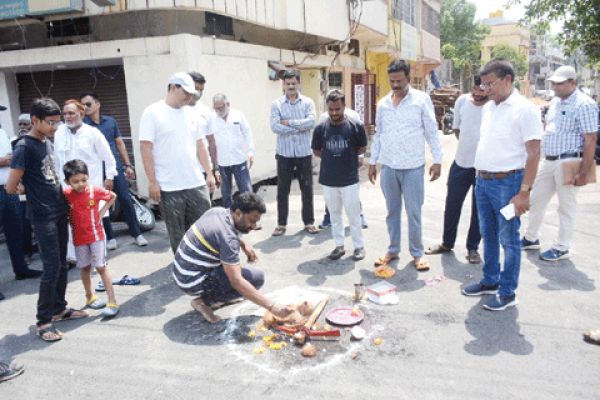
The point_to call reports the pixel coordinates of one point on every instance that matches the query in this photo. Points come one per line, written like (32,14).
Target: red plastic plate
(344,316)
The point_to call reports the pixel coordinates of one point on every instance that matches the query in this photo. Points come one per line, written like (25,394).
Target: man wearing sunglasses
(108,126)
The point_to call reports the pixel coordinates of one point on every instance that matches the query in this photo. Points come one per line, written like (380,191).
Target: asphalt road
(437,344)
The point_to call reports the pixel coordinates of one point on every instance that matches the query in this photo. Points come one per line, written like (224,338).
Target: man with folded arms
(506,161)
(570,136)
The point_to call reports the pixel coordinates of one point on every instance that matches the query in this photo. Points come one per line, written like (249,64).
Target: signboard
(10,9)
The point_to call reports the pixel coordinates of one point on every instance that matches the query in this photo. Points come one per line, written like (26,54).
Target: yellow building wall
(310,80)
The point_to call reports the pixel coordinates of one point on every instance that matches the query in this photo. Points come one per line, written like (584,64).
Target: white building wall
(8,88)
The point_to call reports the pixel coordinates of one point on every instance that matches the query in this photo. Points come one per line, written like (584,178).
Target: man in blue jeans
(108,126)
(10,214)
(506,161)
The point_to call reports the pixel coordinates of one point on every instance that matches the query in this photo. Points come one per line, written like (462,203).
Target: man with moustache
(339,142)
(207,263)
(172,150)
(506,161)
(466,123)
(405,119)
(292,118)
(570,135)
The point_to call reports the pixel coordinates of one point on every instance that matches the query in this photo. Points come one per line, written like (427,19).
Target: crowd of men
(188,150)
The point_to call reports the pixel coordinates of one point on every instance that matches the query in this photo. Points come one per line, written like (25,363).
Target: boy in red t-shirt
(88,234)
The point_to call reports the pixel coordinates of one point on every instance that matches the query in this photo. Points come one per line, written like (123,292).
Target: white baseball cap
(185,81)
(562,74)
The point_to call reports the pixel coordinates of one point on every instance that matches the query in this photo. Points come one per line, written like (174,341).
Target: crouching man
(207,262)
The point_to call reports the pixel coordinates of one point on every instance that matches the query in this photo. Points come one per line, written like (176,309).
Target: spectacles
(52,123)
(486,86)
(88,105)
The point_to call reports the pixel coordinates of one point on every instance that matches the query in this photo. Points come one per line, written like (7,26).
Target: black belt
(573,154)
(487,175)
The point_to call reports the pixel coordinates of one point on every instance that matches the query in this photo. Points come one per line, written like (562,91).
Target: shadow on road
(190,328)
(561,275)
(321,269)
(495,332)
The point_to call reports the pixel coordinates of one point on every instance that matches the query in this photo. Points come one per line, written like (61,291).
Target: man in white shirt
(235,147)
(172,151)
(506,161)
(466,123)
(405,120)
(10,214)
(205,114)
(76,140)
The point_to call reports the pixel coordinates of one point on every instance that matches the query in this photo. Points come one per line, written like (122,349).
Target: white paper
(508,211)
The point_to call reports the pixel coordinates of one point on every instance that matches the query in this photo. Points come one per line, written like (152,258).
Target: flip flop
(42,333)
(439,249)
(110,311)
(592,337)
(384,260)
(69,314)
(422,265)
(95,303)
(311,229)
(279,230)
(126,280)
(7,373)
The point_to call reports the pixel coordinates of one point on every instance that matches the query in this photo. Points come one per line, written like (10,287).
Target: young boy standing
(32,167)
(88,234)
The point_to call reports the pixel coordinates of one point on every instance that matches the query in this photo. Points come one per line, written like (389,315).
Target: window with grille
(218,24)
(335,79)
(407,11)
(431,20)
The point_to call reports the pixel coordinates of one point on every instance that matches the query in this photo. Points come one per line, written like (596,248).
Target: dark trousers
(216,287)
(28,246)
(242,178)
(52,236)
(10,218)
(180,209)
(460,180)
(121,188)
(286,167)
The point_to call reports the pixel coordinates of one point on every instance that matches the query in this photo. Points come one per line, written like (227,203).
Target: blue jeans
(10,218)
(52,236)
(121,188)
(460,181)
(242,179)
(492,195)
(407,184)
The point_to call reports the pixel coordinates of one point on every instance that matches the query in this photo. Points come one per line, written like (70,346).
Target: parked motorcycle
(144,214)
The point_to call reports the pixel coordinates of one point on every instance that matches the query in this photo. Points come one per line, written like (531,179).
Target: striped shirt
(293,140)
(402,131)
(567,121)
(194,259)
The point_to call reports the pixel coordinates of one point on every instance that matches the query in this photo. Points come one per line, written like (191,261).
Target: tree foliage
(511,53)
(460,35)
(581,23)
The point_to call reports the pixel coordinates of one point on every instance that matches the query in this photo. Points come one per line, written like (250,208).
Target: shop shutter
(107,82)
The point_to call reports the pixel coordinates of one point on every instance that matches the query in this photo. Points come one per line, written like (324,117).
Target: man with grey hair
(24,124)
(569,140)
(235,147)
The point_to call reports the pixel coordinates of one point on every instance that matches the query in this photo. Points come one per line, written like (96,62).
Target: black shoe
(32,273)
(337,253)
(2,296)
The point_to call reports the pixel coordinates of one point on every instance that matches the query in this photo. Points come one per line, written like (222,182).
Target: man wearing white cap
(569,139)
(172,152)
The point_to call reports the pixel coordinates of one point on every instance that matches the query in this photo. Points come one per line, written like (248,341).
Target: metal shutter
(107,82)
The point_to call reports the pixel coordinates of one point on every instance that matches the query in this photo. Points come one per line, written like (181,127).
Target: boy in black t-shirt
(338,142)
(33,168)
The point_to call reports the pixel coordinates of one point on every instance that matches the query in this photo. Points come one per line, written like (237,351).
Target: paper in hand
(508,211)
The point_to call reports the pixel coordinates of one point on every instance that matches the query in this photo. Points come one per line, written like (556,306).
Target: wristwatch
(525,188)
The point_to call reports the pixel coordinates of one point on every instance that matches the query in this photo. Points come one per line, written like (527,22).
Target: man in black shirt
(32,166)
(338,142)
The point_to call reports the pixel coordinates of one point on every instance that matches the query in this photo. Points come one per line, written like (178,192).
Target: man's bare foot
(204,310)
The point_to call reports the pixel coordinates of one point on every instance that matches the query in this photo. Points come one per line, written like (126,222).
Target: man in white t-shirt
(235,147)
(172,151)
(205,114)
(466,123)
(506,161)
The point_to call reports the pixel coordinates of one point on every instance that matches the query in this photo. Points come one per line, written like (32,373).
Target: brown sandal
(279,230)
(384,260)
(311,229)
(422,265)
(49,334)
(70,313)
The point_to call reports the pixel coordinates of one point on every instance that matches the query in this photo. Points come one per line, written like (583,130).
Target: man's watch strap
(525,188)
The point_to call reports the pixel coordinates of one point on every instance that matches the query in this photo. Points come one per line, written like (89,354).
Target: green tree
(461,37)
(511,53)
(581,23)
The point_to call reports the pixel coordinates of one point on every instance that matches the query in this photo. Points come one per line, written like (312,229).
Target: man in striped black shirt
(570,136)
(292,119)
(207,262)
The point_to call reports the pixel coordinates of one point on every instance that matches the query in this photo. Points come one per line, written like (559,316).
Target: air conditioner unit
(104,3)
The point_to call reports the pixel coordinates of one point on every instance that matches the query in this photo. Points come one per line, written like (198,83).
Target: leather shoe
(32,273)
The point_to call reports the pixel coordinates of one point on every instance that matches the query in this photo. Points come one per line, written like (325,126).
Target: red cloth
(85,216)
